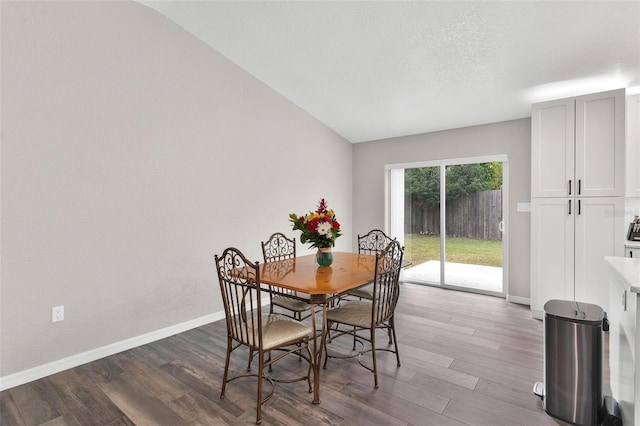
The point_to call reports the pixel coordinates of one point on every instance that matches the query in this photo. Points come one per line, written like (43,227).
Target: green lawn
(421,248)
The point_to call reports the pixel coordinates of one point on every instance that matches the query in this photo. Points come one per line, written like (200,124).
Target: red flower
(313,224)
(322,208)
(336,225)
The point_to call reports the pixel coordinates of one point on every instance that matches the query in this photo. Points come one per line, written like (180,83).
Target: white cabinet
(577,189)
(570,238)
(632,252)
(578,146)
(633,146)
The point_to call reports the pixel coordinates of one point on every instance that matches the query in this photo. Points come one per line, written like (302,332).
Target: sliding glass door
(449,216)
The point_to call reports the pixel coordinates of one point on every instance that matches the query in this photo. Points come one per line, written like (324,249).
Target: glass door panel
(473,223)
(422,225)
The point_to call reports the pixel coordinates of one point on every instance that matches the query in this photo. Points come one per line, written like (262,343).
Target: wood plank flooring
(467,359)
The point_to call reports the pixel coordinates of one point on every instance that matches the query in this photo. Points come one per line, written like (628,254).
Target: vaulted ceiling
(373,70)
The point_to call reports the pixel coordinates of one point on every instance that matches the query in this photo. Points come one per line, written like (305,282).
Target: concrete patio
(478,277)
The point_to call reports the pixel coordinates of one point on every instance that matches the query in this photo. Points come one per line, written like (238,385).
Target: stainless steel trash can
(573,353)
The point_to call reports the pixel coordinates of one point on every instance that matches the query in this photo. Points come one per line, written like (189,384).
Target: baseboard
(519,300)
(537,314)
(41,371)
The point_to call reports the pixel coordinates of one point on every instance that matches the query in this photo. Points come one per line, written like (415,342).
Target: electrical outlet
(57,313)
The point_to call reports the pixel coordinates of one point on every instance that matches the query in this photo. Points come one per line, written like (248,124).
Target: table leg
(318,347)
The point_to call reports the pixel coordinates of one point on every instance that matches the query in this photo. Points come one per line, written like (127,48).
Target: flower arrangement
(320,227)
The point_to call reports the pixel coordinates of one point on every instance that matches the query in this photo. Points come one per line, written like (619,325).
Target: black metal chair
(246,326)
(367,316)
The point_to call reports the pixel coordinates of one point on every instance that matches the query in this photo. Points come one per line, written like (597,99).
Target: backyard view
(421,248)
(470,198)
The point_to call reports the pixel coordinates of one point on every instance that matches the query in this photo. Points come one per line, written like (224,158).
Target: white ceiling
(372,70)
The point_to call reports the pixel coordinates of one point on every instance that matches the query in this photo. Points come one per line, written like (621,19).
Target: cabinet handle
(579,186)
(569,206)
(569,186)
(579,206)
(630,253)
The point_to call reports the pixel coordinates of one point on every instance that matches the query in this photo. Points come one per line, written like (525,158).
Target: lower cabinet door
(552,251)
(599,223)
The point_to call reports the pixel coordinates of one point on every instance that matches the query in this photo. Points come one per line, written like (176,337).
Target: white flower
(324,228)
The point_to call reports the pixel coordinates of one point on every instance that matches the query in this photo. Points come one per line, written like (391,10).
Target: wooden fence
(476,215)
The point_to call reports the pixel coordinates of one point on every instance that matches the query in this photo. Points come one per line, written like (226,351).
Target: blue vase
(324,256)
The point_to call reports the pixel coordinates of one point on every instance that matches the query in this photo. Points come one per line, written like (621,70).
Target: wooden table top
(302,274)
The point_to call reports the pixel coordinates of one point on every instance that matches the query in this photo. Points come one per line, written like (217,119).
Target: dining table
(321,286)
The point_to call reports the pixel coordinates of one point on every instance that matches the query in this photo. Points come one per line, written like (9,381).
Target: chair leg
(259,399)
(310,366)
(373,356)
(297,315)
(392,330)
(354,338)
(354,333)
(226,368)
(324,348)
(250,359)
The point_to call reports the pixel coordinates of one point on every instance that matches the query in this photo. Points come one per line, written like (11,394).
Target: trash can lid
(584,313)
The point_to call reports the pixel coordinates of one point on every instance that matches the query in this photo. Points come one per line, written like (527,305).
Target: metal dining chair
(248,327)
(362,318)
(279,247)
(373,243)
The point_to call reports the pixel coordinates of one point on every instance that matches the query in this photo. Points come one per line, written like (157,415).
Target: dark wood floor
(467,359)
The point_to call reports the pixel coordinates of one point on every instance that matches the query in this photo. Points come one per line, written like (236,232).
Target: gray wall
(512,138)
(131,153)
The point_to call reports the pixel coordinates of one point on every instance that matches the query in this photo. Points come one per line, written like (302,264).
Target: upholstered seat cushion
(356,313)
(290,303)
(277,330)
(365,292)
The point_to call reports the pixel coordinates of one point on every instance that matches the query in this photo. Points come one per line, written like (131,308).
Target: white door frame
(394,204)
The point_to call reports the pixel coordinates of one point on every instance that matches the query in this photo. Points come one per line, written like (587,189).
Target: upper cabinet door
(600,144)
(633,146)
(552,148)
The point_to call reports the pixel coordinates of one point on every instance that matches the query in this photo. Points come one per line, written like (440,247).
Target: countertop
(628,270)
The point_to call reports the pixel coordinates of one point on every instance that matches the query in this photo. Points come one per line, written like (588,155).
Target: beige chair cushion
(357,313)
(290,303)
(278,330)
(365,292)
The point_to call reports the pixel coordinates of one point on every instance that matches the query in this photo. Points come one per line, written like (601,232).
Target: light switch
(524,207)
